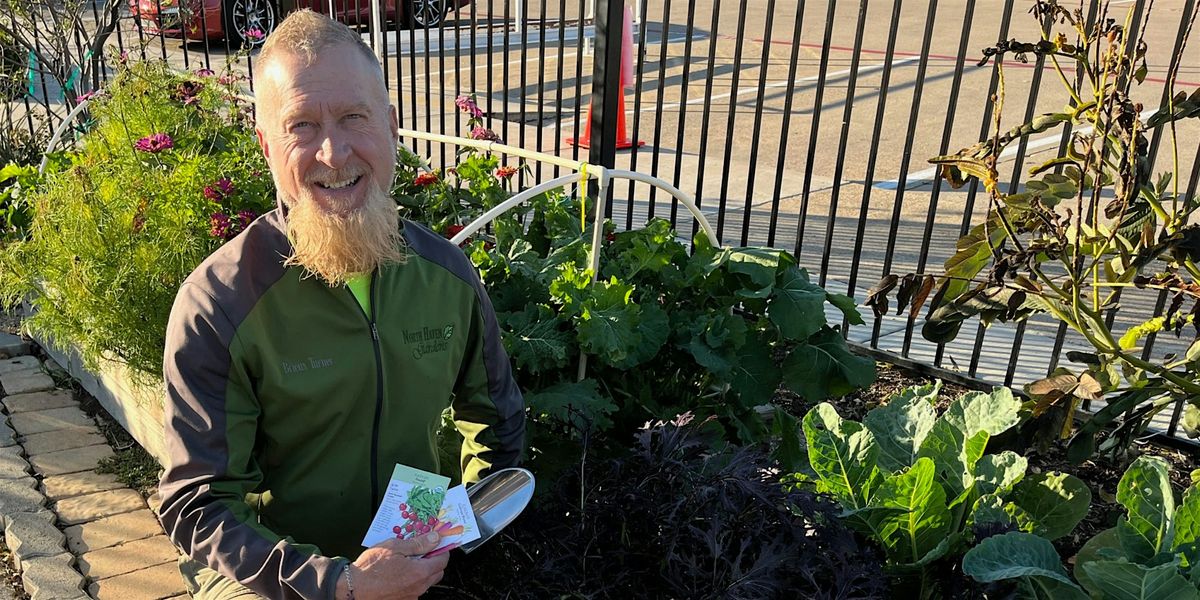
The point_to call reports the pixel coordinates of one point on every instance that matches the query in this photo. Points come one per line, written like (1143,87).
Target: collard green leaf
(797,306)
(994,413)
(1123,580)
(755,269)
(1105,543)
(954,455)
(843,454)
(826,367)
(928,392)
(1013,555)
(899,428)
(998,473)
(1051,504)
(1187,528)
(920,519)
(790,452)
(1145,492)
(990,509)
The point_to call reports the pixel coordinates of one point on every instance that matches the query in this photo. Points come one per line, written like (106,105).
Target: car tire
(424,14)
(243,16)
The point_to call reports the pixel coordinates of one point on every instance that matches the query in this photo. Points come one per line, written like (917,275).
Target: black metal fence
(805,125)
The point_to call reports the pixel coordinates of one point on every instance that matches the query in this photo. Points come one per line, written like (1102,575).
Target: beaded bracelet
(349,583)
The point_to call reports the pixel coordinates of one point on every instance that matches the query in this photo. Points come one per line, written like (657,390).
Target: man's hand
(395,569)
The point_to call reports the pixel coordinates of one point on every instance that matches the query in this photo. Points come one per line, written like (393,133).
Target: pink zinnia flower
(246,217)
(204,72)
(425,179)
(188,92)
(467,105)
(254,34)
(483,133)
(220,226)
(227,79)
(505,172)
(154,143)
(219,190)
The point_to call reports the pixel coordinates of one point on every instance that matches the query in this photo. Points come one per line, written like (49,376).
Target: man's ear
(395,123)
(262,142)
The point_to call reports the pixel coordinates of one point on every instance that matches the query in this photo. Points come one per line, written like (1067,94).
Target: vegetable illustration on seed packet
(417,502)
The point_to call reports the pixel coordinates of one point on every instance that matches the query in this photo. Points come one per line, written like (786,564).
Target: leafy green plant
(656,331)
(169,171)
(16,184)
(1089,224)
(923,486)
(1152,554)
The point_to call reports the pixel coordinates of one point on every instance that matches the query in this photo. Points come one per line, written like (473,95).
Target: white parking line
(754,89)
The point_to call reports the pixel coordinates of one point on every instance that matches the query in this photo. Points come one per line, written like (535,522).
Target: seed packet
(417,502)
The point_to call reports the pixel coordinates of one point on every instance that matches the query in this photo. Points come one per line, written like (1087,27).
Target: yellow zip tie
(583,198)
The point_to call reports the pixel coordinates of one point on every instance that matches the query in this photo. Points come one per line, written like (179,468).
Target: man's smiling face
(326,128)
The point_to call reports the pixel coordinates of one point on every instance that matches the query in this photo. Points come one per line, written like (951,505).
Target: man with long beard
(319,348)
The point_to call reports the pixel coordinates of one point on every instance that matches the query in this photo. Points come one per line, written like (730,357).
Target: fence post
(519,25)
(606,82)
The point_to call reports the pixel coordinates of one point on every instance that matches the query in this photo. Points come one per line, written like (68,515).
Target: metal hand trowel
(498,499)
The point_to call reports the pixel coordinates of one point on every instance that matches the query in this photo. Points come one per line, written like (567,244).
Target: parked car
(248,22)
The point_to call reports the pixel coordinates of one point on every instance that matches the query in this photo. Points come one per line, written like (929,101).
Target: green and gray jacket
(288,406)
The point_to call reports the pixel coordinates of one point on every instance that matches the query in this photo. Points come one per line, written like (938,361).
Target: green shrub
(156,186)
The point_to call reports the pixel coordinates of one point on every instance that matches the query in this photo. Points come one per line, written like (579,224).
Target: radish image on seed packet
(417,502)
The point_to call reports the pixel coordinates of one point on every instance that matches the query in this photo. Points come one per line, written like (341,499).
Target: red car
(248,22)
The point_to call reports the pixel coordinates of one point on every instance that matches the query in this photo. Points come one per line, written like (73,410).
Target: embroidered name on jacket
(428,340)
(307,364)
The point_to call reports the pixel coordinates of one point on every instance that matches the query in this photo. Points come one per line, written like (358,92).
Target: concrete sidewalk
(73,533)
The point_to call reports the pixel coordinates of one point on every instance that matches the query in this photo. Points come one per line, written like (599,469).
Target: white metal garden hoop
(603,176)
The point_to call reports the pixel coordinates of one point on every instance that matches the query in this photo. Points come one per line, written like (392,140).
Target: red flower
(452,230)
(425,179)
(505,172)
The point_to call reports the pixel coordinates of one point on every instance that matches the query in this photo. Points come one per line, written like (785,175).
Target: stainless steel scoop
(498,499)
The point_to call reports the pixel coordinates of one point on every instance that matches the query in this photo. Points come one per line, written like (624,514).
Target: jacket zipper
(378,394)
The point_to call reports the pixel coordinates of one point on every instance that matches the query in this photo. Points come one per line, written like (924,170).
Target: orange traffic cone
(623,141)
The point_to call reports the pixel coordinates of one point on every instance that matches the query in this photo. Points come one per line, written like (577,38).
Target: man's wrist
(344,590)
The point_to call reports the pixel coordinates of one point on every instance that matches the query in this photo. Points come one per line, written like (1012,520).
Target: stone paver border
(60,518)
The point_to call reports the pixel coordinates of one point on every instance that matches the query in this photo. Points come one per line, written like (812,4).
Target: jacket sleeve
(211,422)
(488,409)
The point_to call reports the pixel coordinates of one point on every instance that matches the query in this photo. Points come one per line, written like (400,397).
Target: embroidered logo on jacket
(428,340)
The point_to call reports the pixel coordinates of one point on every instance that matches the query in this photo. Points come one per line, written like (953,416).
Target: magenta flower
(245,217)
(468,106)
(220,226)
(123,57)
(89,95)
(483,133)
(255,34)
(219,190)
(204,72)
(188,92)
(227,79)
(154,143)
